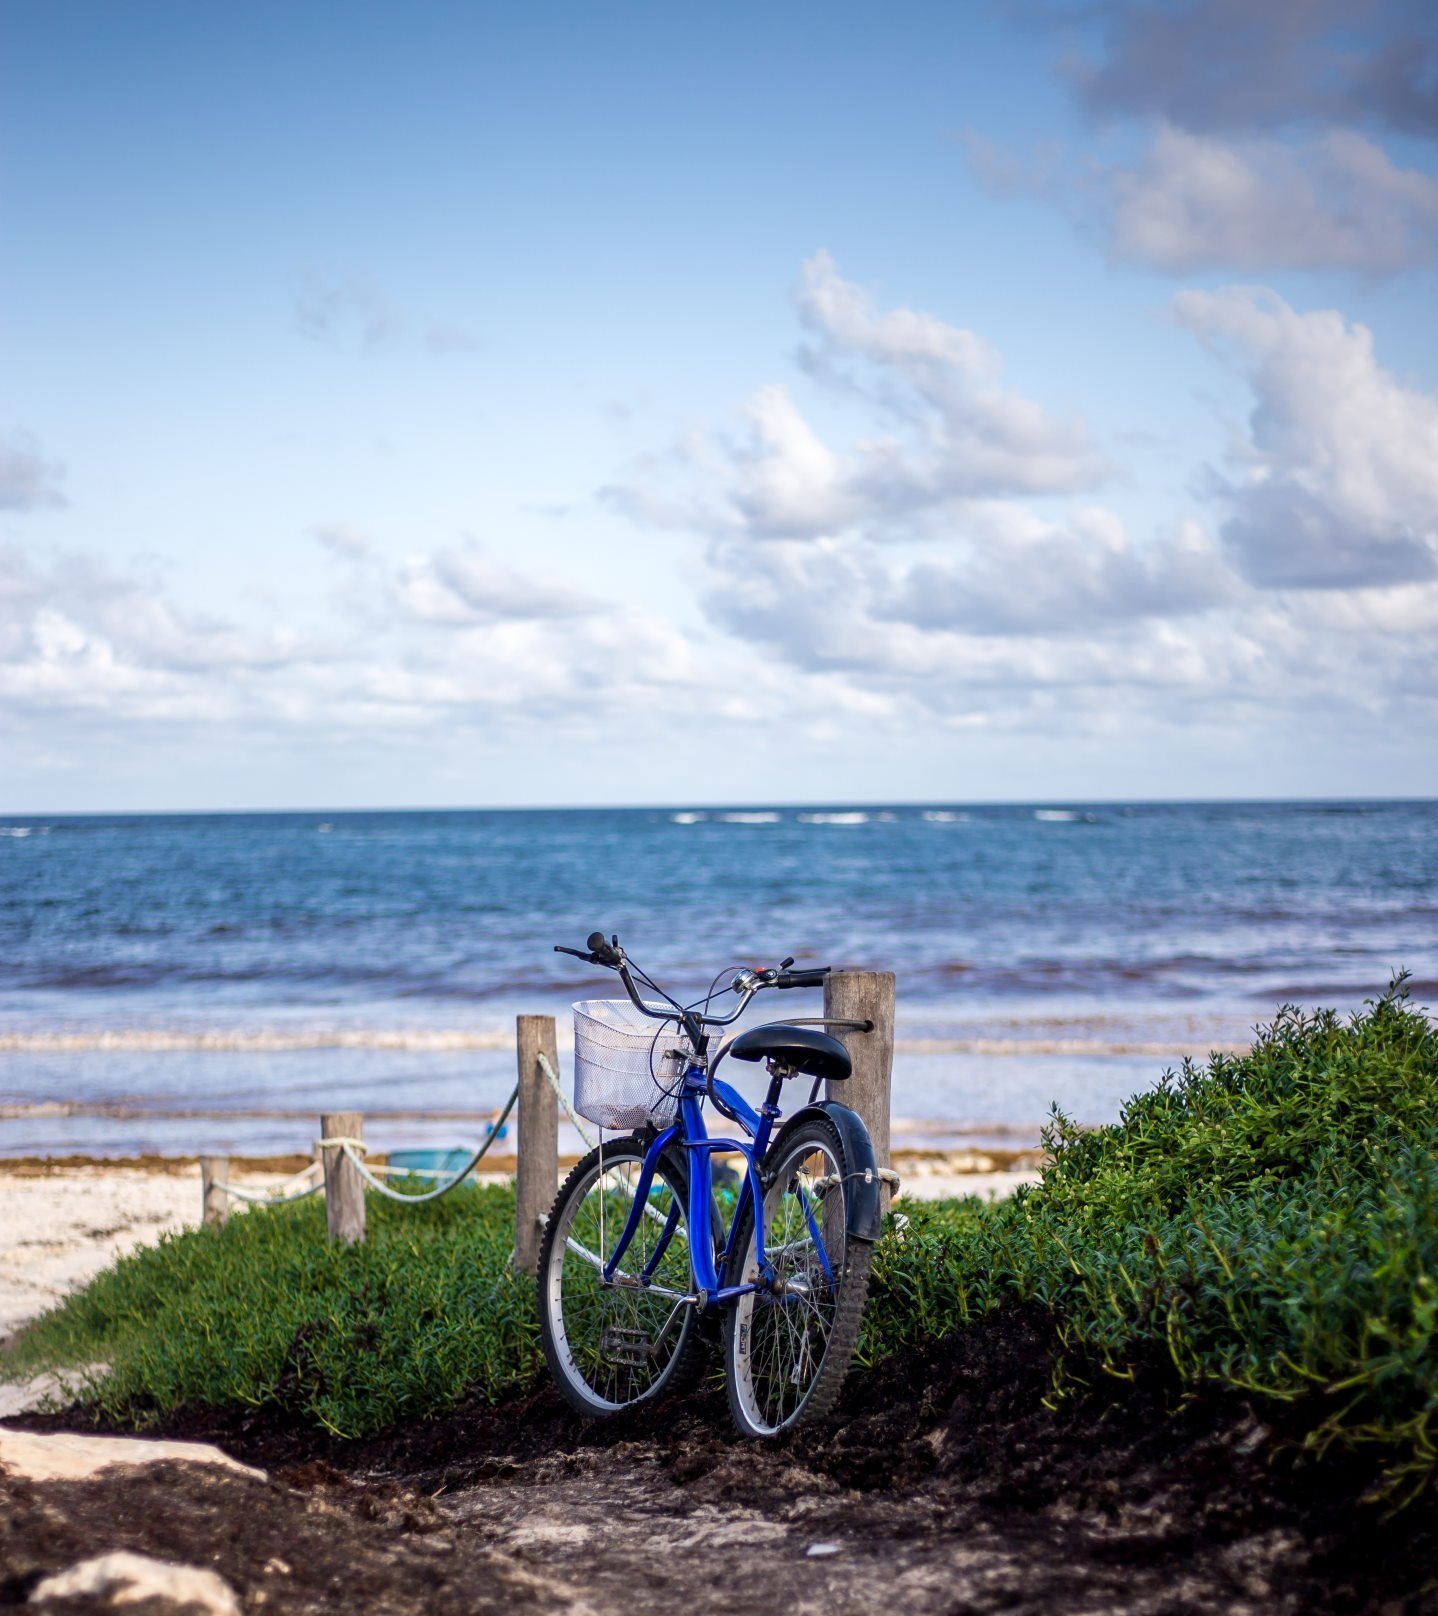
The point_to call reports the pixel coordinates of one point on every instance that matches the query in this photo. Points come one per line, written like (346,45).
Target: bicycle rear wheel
(788,1349)
(610,1345)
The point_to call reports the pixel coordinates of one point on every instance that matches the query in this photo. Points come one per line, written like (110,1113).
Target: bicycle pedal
(624,1345)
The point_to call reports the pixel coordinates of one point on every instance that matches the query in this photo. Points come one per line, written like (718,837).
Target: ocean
(212,982)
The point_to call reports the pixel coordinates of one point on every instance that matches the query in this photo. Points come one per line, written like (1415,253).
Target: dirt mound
(951,1480)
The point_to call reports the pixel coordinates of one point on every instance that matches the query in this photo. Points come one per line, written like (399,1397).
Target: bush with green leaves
(266,1312)
(1267,1223)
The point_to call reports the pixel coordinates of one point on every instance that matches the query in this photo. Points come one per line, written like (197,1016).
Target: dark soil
(945,1483)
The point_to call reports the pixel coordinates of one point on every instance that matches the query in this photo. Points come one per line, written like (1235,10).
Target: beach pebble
(817,1551)
(126,1579)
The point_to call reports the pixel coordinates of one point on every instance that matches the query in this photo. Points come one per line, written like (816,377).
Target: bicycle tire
(608,1347)
(765,1354)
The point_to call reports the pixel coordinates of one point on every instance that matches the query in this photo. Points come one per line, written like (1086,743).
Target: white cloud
(465,585)
(1336,483)
(1027,575)
(1260,126)
(80,641)
(1197,202)
(845,610)
(949,432)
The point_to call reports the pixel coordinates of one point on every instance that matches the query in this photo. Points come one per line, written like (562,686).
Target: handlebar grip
(600,950)
(802,979)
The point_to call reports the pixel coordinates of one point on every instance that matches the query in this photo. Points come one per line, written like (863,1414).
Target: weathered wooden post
(344,1188)
(536,1173)
(214,1175)
(866,996)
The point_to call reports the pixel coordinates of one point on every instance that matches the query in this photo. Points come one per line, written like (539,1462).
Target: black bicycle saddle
(805,1049)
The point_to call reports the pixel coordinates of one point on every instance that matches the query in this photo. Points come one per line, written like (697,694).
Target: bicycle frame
(691,1134)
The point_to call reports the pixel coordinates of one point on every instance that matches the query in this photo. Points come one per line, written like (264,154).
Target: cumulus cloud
(1336,482)
(27,480)
(948,432)
(1028,575)
(81,641)
(850,613)
(1314,590)
(465,585)
(1261,128)
(1338,201)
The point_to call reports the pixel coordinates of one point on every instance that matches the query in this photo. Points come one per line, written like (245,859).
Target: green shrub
(1268,1223)
(266,1312)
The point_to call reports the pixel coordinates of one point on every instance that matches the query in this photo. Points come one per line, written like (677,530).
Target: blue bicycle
(640,1250)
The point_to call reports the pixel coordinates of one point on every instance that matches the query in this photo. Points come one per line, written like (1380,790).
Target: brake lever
(578,953)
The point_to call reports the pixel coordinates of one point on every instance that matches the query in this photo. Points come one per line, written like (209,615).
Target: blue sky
(472,405)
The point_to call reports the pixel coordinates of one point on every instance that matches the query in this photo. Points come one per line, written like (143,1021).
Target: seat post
(771,1099)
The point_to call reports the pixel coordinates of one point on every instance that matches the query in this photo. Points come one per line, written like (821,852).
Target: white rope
(278,1196)
(352,1148)
(559,1094)
(348,1146)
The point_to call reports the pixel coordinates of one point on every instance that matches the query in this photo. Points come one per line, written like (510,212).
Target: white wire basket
(628,1068)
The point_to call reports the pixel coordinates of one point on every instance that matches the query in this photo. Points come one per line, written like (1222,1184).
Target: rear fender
(863,1211)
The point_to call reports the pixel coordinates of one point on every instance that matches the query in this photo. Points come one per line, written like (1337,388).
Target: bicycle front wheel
(788,1346)
(611,1344)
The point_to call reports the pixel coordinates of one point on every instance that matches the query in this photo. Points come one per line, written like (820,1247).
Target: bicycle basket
(627,1068)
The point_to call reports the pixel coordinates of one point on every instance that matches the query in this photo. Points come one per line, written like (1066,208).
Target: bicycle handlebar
(802,979)
(746,984)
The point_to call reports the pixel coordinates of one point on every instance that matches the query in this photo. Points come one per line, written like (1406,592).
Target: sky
(478,405)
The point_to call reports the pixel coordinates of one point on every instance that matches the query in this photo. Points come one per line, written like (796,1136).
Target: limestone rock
(126,1579)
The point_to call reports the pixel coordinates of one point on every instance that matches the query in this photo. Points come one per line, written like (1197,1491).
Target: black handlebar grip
(601,951)
(802,979)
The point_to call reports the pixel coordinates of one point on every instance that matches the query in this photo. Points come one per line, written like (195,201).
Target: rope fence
(218,1189)
(853,1000)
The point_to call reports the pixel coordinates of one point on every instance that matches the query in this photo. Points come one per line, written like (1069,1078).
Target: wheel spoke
(615,1341)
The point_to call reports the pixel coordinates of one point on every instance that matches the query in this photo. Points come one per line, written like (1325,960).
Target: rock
(64,1456)
(125,1579)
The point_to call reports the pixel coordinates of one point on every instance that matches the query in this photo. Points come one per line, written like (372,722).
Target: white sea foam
(1055,815)
(834,819)
(254,1040)
(14,830)
(687,819)
(942,816)
(750,819)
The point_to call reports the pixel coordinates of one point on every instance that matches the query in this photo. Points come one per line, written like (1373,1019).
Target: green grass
(1266,1222)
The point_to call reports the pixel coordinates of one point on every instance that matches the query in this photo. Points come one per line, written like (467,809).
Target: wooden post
(866,996)
(214,1175)
(537,1158)
(344,1188)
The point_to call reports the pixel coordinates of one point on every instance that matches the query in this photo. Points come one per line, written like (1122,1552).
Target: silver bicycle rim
(781,1340)
(616,1343)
